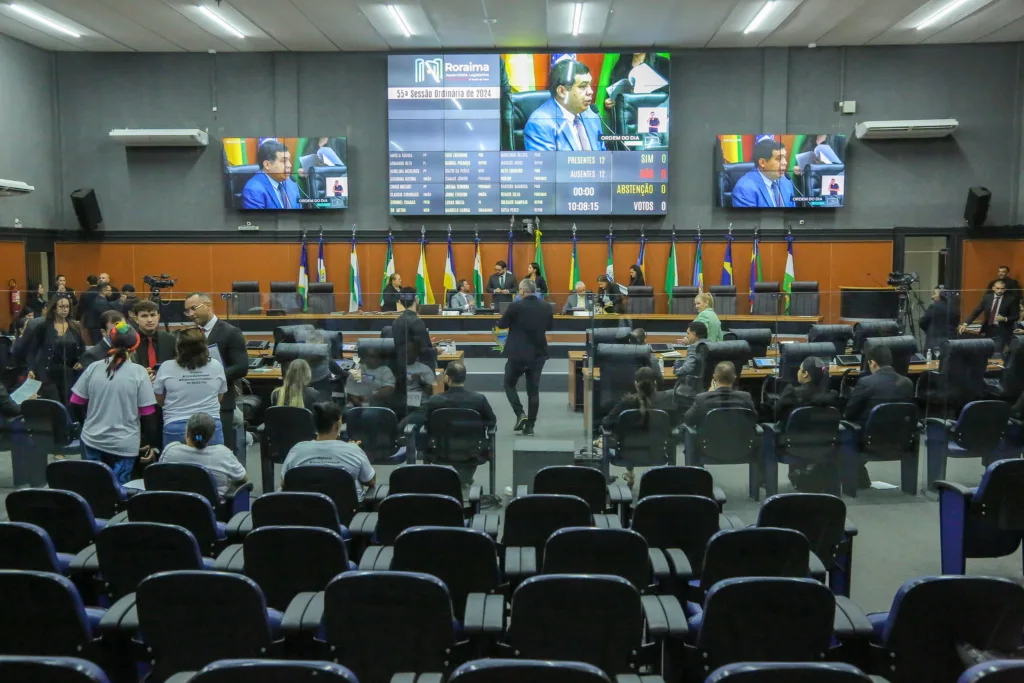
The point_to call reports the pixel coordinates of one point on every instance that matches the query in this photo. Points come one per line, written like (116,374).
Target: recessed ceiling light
(35,16)
(400,20)
(760,17)
(219,20)
(577,18)
(941,13)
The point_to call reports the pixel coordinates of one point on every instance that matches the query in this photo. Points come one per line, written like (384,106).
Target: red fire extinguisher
(15,297)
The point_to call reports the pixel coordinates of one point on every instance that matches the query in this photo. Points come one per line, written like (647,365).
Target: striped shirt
(343,454)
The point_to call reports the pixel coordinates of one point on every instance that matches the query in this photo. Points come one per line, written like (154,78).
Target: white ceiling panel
(89,40)
(383,20)
(870,20)
(810,21)
(47,41)
(459,22)
(731,32)
(592,23)
(905,31)
(112,24)
(256,38)
(162,19)
(343,23)
(518,24)
(980,24)
(687,24)
(1010,33)
(282,22)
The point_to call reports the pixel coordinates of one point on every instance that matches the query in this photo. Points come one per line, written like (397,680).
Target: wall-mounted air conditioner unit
(922,128)
(14,188)
(160,137)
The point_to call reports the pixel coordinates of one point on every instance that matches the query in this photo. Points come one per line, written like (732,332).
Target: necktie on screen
(581,130)
(284,196)
(777,193)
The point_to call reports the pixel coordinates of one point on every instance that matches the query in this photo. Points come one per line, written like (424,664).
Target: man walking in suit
(526,349)
(1001,310)
(766,186)
(499,285)
(155,345)
(462,300)
(230,345)
(566,122)
(722,395)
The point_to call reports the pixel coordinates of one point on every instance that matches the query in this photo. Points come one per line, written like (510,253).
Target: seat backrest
(189,510)
(617,365)
(759,339)
(792,355)
(682,300)
(644,439)
(811,433)
(982,425)
(456,435)
(50,670)
(43,615)
(321,297)
(1012,379)
(523,105)
(131,551)
(1004,671)
(48,423)
(593,619)
(838,335)
(182,477)
(804,298)
(292,334)
(902,348)
(820,517)
(998,496)
(963,365)
(922,635)
(724,296)
(530,521)
(466,560)
(677,521)
(754,551)
(727,177)
(285,296)
(729,435)
(63,515)
(439,479)
(585,482)
(401,511)
(273,671)
(606,335)
(533,670)
(891,430)
(295,508)
(586,550)
(788,672)
(185,618)
(26,547)
(285,426)
(737,351)
(676,480)
(766,619)
(641,300)
(767,299)
(287,560)
(869,329)
(333,482)
(366,613)
(376,430)
(245,298)
(90,479)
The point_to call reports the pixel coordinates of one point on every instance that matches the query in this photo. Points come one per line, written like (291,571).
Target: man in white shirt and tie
(566,122)
(1001,310)
(500,285)
(462,300)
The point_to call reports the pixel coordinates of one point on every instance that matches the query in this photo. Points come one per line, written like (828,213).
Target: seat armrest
(730,522)
(417,678)
(607,433)
(606,521)
(475,493)
(522,491)
(119,518)
(850,621)
(487,523)
(303,614)
(85,562)
(121,618)
(239,525)
(231,559)
(772,429)
(380,492)
(719,495)
(619,493)
(484,614)
(816,568)
(238,500)
(851,528)
(377,558)
(520,562)
(680,564)
(636,678)
(659,564)
(664,616)
(181,677)
(363,524)
(852,426)
(689,429)
(964,492)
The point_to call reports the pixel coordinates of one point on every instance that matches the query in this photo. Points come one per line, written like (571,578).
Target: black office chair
(838,335)
(52,432)
(728,175)
(282,428)
(639,440)
(891,432)
(616,365)
(640,300)
(725,298)
(728,436)
(791,356)
(284,296)
(292,334)
(529,522)
(376,430)
(682,301)
(606,335)
(523,105)
(902,348)
(759,339)
(960,378)
(738,352)
(869,329)
(767,299)
(804,298)
(191,478)
(1011,381)
(321,298)
(245,298)
(459,436)
(810,436)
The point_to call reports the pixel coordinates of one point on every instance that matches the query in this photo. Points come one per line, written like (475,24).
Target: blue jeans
(121,465)
(175,431)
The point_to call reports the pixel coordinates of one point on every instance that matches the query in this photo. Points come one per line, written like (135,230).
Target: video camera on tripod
(903,281)
(159,281)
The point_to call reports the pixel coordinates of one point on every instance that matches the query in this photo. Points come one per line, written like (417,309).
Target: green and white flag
(671,273)
(787,279)
(303,275)
(389,268)
(423,289)
(478,277)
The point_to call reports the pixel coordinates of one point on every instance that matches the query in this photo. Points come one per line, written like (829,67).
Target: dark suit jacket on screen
(527,322)
(712,400)
(231,347)
(884,386)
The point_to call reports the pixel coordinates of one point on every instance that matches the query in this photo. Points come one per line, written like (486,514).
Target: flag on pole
(389,268)
(478,277)
(538,253)
(755,265)
(698,267)
(727,264)
(671,272)
(787,279)
(355,287)
(303,274)
(609,269)
(574,265)
(511,254)
(640,257)
(423,288)
(321,268)
(449,269)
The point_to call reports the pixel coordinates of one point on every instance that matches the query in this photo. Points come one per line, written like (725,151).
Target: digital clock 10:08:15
(584,206)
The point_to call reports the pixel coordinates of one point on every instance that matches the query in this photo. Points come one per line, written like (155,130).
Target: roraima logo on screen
(430,70)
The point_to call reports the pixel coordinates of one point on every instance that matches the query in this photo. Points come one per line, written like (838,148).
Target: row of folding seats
(379,624)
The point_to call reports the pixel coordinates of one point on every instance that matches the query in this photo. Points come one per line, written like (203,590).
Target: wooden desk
(443,359)
(274,375)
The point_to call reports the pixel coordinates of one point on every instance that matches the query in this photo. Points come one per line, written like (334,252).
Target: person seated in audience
(327,450)
(689,370)
(199,449)
(419,382)
(389,297)
(705,305)
(192,383)
(18,326)
(645,398)
(462,299)
(939,322)
(296,391)
(51,349)
(60,288)
(322,369)
(155,345)
(101,348)
(114,400)
(35,300)
(577,301)
(608,298)
(370,382)
(639,336)
(722,395)
(811,389)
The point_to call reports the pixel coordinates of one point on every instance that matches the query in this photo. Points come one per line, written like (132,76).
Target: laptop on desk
(430,309)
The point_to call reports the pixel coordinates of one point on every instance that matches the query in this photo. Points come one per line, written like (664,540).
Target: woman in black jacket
(533,273)
(390,294)
(647,397)
(939,322)
(811,389)
(636,276)
(51,350)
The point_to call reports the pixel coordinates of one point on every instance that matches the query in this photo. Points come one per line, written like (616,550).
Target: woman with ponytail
(114,401)
(197,450)
(646,398)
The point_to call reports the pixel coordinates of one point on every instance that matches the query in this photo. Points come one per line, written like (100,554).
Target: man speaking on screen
(766,185)
(271,188)
(565,122)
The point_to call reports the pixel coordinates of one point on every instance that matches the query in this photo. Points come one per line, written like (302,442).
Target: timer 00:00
(584,191)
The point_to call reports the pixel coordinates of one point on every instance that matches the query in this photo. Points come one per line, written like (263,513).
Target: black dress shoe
(520,424)
(528,430)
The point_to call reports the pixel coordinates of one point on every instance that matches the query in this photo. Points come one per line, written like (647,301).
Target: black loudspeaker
(87,209)
(976,208)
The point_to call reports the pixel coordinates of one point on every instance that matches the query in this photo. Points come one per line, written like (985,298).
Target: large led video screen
(780,171)
(283,174)
(548,134)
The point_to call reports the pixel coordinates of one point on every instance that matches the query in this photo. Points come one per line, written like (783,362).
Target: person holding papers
(192,383)
(630,61)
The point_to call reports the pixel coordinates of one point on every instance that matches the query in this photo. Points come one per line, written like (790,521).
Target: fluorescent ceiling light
(760,17)
(401,21)
(577,18)
(35,16)
(456,103)
(217,19)
(941,13)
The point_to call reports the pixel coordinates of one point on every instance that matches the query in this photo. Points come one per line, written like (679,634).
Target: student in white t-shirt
(191,383)
(327,450)
(199,450)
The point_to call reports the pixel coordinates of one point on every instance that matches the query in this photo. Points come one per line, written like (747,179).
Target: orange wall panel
(981,259)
